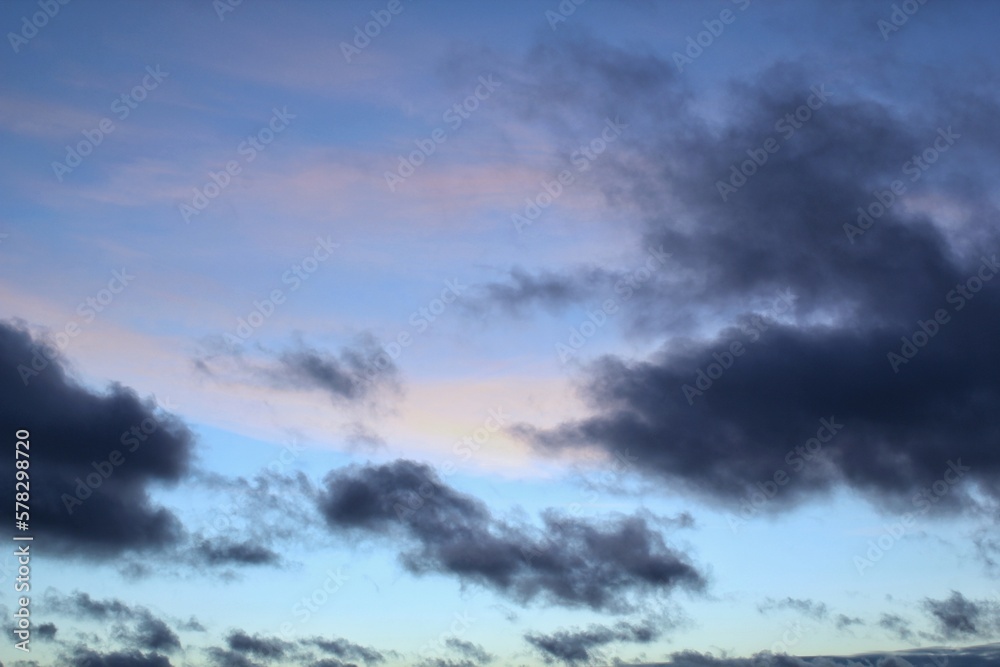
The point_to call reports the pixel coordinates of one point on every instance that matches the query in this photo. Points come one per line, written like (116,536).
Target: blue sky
(206,226)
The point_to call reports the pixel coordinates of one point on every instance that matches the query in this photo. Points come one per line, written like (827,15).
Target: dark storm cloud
(47,631)
(569,561)
(810,608)
(267,648)
(957,617)
(574,646)
(470,650)
(346,650)
(772,268)
(94,456)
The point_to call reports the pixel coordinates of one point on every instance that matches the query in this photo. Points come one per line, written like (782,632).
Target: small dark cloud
(119,659)
(346,650)
(82,604)
(83,504)
(47,631)
(576,646)
(228,552)
(603,565)
(268,648)
(136,626)
(354,375)
(228,658)
(957,617)
(810,608)
(474,652)
(545,289)
(192,625)
(153,634)
(843,621)
(897,626)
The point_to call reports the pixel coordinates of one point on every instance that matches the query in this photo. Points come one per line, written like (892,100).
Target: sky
(442,334)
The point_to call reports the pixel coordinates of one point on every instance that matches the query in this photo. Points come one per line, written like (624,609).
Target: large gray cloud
(813,308)
(94,456)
